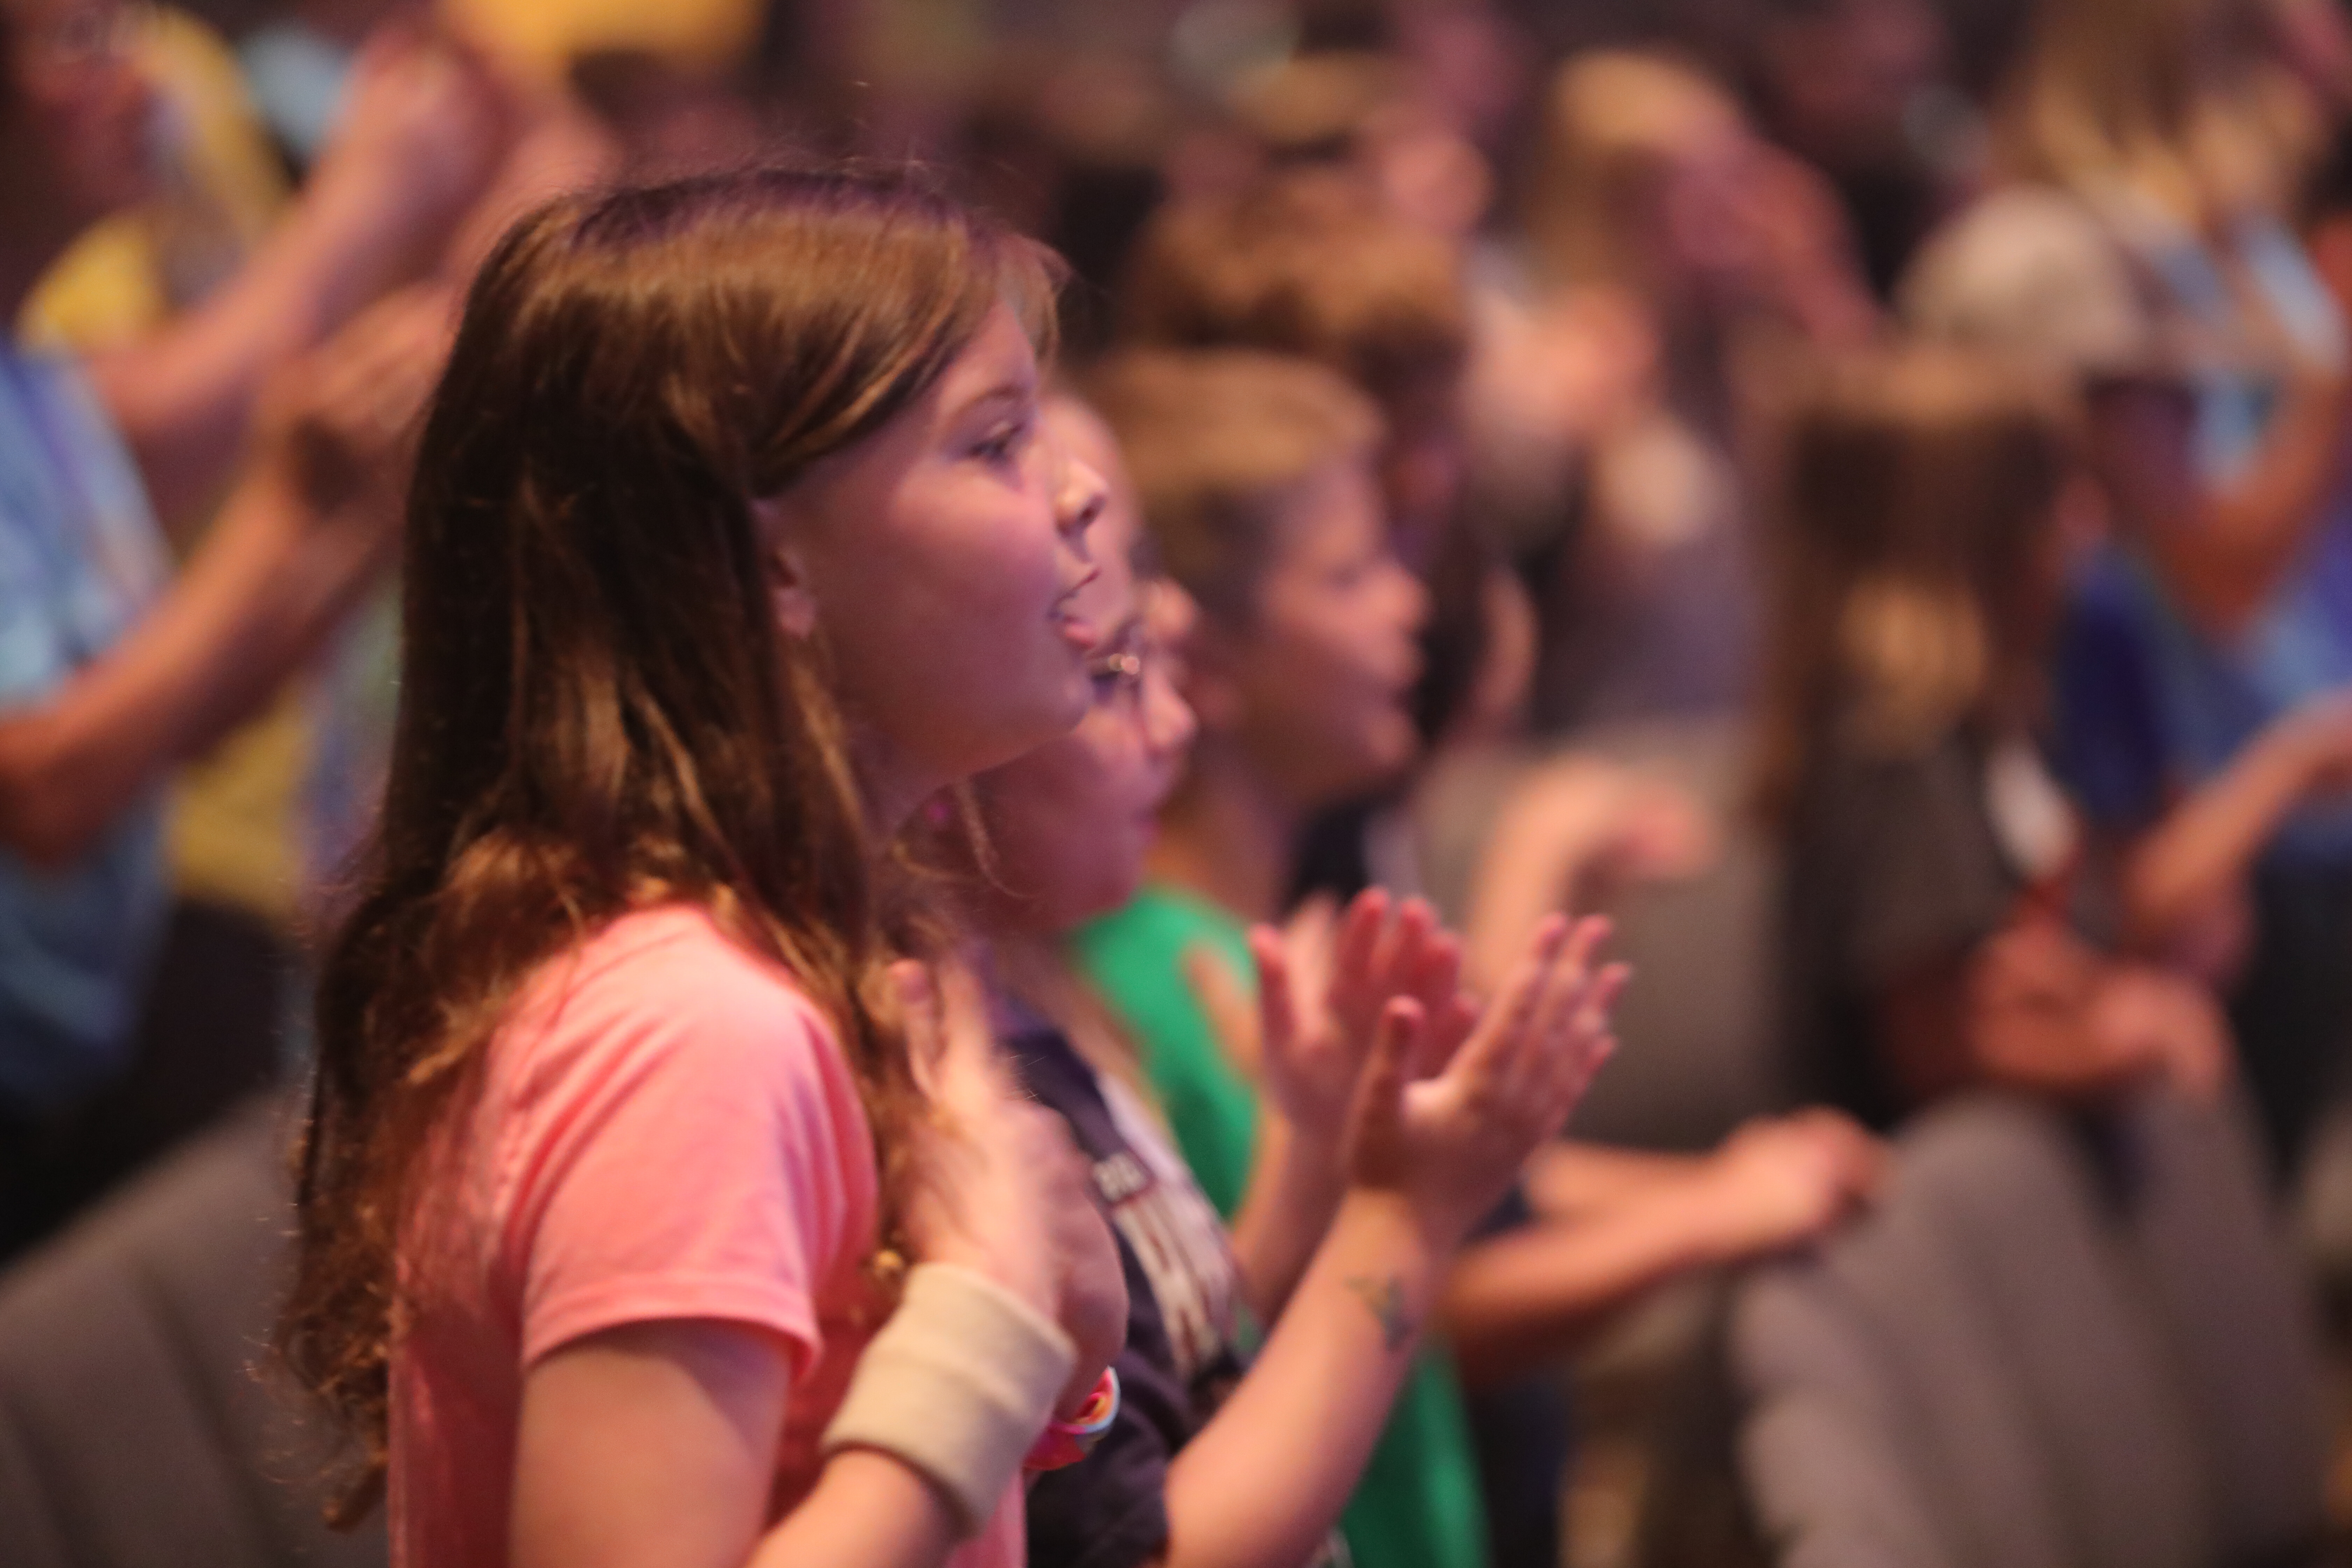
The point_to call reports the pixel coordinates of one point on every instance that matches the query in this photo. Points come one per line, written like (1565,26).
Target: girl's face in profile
(1315,685)
(1071,823)
(938,564)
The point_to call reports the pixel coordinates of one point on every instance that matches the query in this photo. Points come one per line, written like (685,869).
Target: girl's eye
(1358,570)
(1004,444)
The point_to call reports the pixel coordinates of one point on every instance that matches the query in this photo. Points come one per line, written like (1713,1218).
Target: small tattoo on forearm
(1385,1300)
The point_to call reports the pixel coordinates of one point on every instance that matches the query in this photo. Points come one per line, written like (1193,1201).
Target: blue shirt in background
(2149,707)
(80,561)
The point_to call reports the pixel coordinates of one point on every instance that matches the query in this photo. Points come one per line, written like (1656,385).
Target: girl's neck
(890,789)
(1028,966)
(1034,967)
(1228,835)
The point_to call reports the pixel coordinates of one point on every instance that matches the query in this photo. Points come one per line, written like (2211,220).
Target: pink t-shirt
(666,1129)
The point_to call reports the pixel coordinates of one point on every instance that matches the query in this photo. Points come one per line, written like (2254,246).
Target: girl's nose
(1080,499)
(1413,597)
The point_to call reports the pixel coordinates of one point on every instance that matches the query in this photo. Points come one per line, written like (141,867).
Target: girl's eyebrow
(1012,392)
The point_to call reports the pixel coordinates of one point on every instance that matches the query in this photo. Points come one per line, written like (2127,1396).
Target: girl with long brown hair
(1944,926)
(733,540)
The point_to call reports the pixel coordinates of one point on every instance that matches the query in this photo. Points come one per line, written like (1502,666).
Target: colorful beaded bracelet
(1066,1442)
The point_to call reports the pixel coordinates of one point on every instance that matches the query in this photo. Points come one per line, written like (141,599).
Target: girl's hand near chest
(994,1184)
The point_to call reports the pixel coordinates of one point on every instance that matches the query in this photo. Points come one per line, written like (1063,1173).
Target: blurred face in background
(75,115)
(1842,76)
(1315,685)
(1071,822)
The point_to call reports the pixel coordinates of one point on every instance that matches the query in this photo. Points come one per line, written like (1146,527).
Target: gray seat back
(2008,1184)
(2054,1344)
(135,1429)
(1876,1350)
(2239,1316)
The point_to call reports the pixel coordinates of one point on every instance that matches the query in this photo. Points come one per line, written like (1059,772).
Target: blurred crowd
(1863,500)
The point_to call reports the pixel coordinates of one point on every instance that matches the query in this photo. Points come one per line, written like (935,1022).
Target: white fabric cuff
(958,1384)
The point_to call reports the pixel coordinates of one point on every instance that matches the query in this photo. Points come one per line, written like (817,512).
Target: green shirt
(1418,1505)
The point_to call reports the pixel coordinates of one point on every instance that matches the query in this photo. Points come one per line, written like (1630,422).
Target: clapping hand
(1451,1142)
(1323,983)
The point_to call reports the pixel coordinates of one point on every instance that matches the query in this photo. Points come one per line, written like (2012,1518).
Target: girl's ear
(789,596)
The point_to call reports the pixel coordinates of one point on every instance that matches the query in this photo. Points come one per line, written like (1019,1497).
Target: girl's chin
(1392,749)
(1114,895)
(1054,717)
(1077,697)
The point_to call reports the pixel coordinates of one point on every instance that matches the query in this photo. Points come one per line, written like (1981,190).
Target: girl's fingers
(1380,1093)
(1311,933)
(1497,1037)
(1451,1026)
(1571,1000)
(1585,1014)
(1437,986)
(1585,939)
(1407,941)
(978,1099)
(967,1043)
(1275,1004)
(1527,1077)
(1225,1002)
(1436,978)
(1587,1041)
(1358,943)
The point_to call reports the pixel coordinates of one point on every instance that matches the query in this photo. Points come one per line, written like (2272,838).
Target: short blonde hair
(1613,122)
(2176,97)
(1312,263)
(1218,441)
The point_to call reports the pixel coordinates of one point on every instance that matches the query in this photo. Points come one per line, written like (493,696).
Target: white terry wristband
(958,1384)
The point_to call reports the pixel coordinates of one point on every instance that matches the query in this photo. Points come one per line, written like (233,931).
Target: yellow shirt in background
(220,186)
(549,33)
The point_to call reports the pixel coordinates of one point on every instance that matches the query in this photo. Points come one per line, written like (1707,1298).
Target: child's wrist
(1420,1227)
(1708,1217)
(1308,1160)
(1014,1270)
(957,1384)
(1384,1249)
(1072,1433)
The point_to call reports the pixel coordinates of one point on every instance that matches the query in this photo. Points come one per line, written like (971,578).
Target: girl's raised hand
(427,121)
(1451,1145)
